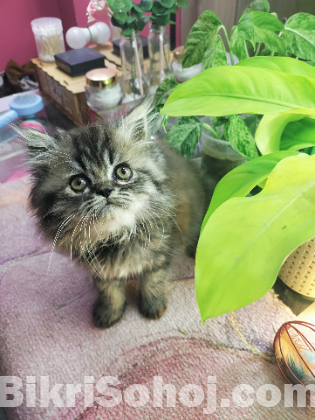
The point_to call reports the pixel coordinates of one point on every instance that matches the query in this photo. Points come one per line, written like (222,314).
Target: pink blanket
(46,330)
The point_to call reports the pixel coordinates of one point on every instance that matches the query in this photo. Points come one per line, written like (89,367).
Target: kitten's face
(105,177)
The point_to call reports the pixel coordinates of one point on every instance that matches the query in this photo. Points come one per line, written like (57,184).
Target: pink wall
(16,36)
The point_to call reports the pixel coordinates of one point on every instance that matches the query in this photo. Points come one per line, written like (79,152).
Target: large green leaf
(216,56)
(201,38)
(241,180)
(240,89)
(184,135)
(281,64)
(262,5)
(240,138)
(246,240)
(299,35)
(270,130)
(298,135)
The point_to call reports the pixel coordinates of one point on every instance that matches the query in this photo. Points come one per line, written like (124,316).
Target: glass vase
(132,81)
(159,52)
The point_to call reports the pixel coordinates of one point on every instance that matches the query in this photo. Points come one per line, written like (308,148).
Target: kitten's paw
(104,316)
(154,308)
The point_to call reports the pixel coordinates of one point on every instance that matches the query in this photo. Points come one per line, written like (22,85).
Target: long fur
(137,229)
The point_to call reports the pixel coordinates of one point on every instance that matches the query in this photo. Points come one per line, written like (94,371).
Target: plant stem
(246,48)
(228,44)
(257,51)
(161,39)
(212,130)
(138,66)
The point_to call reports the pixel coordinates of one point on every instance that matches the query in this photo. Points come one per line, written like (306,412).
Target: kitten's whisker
(57,236)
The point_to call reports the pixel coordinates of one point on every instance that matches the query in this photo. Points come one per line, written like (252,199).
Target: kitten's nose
(105,192)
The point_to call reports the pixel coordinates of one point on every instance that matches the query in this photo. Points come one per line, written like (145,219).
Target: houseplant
(258,33)
(244,240)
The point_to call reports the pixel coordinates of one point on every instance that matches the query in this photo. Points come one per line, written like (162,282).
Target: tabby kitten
(119,203)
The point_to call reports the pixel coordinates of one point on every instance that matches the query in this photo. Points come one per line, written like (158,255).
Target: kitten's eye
(124,173)
(78,183)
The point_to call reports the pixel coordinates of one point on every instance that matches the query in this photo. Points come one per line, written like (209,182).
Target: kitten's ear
(143,121)
(35,140)
(136,123)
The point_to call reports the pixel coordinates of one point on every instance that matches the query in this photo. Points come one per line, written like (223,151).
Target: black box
(80,61)
(144,41)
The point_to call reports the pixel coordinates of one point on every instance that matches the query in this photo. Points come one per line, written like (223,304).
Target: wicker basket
(298,270)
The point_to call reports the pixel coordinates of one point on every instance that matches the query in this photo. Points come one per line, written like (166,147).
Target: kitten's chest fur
(147,251)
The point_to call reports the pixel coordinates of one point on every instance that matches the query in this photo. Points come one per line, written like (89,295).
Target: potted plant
(245,239)
(258,33)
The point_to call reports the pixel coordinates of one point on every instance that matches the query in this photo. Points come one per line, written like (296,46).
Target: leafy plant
(131,16)
(245,239)
(162,10)
(258,33)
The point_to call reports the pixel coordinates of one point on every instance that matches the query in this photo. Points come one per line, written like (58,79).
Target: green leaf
(299,35)
(240,137)
(167,3)
(174,9)
(146,5)
(261,5)
(265,26)
(298,135)
(121,17)
(167,86)
(126,32)
(127,6)
(164,122)
(137,11)
(238,44)
(161,20)
(246,29)
(142,22)
(219,121)
(246,240)
(216,56)
(280,64)
(241,180)
(184,135)
(271,40)
(241,89)
(201,38)
(131,19)
(117,6)
(266,21)
(158,8)
(260,27)
(182,3)
(285,131)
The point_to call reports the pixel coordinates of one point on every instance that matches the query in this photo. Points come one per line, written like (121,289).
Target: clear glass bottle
(132,82)
(159,52)
(102,89)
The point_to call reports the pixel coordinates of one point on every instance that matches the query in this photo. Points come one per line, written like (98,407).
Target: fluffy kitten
(119,203)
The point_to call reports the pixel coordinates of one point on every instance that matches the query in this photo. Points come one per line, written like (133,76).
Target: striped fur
(134,232)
